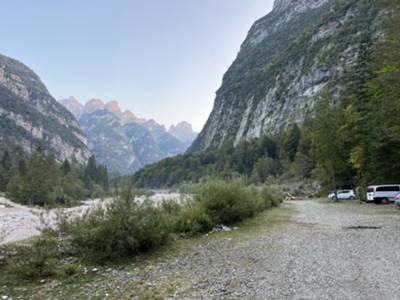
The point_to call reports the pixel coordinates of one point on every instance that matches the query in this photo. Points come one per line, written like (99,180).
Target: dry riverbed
(19,222)
(302,250)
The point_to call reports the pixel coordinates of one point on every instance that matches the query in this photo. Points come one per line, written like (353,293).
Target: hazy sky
(162,59)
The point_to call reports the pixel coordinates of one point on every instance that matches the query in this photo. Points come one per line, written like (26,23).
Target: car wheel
(351,198)
(385,201)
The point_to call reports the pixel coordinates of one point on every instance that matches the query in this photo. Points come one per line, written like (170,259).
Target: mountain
(301,50)
(143,143)
(93,105)
(73,105)
(121,140)
(108,141)
(168,144)
(183,131)
(31,116)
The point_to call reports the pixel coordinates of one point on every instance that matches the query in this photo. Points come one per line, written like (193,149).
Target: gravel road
(326,251)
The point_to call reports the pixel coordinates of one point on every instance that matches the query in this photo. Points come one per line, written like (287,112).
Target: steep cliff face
(29,115)
(289,58)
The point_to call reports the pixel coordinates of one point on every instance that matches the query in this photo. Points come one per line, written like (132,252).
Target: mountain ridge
(123,141)
(289,58)
(31,116)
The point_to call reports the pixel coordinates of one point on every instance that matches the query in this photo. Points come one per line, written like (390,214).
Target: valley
(99,202)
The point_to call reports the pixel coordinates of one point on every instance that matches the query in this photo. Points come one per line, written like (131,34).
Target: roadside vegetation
(39,179)
(125,228)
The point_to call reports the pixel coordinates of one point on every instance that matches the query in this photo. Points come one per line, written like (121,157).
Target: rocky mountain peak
(114,107)
(73,105)
(129,117)
(183,131)
(93,105)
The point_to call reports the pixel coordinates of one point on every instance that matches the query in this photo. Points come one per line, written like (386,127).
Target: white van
(383,193)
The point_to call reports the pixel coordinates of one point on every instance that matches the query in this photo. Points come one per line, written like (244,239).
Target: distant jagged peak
(114,107)
(73,105)
(152,125)
(93,105)
(183,131)
(72,99)
(184,126)
(129,117)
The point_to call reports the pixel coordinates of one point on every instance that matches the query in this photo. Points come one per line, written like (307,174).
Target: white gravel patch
(19,222)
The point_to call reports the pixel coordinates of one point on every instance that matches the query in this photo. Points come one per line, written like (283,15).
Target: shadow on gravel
(362,227)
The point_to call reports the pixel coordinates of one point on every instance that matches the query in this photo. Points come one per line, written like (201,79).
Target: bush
(121,229)
(221,202)
(227,202)
(38,260)
(270,197)
(193,219)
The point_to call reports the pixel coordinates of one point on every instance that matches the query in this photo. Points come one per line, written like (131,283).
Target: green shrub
(227,202)
(270,197)
(38,260)
(121,229)
(193,219)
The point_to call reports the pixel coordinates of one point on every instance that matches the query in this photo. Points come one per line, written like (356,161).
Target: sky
(162,59)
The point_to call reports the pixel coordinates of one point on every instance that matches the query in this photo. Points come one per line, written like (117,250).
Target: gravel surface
(323,251)
(316,256)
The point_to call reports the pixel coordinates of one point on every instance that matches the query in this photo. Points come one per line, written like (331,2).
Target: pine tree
(291,140)
(5,170)
(66,167)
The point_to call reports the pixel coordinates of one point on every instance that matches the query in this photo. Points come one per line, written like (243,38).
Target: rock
(29,115)
(277,77)
(221,227)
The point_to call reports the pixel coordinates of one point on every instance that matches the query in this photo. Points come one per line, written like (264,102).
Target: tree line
(39,179)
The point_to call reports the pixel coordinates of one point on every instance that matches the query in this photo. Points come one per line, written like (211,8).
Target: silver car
(343,195)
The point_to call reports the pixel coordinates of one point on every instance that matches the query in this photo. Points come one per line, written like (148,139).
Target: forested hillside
(38,179)
(349,140)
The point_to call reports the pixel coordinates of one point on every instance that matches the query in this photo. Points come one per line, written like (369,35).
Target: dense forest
(351,142)
(39,179)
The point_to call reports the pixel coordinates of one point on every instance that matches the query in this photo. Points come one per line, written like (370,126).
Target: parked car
(383,193)
(343,195)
